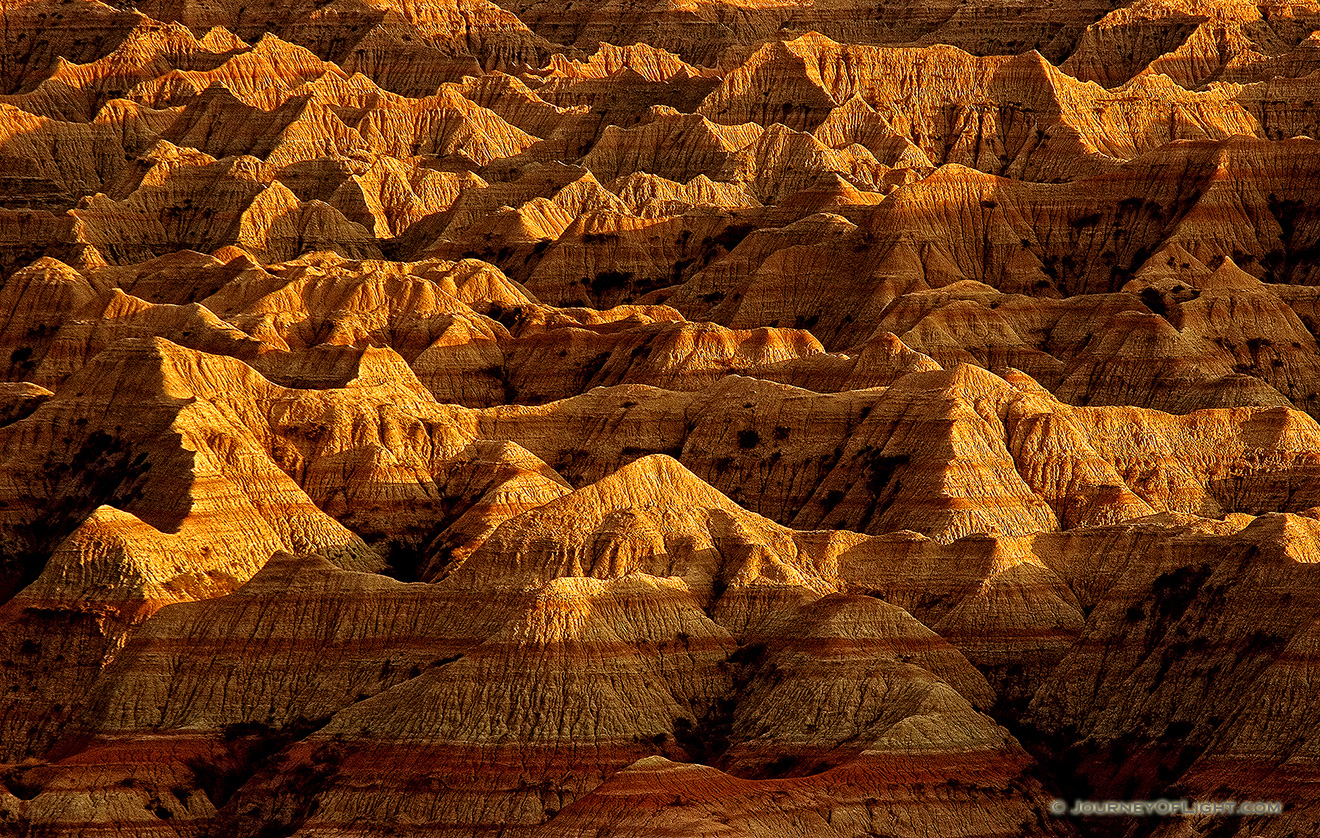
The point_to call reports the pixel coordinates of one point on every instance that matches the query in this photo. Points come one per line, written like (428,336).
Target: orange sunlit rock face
(564,419)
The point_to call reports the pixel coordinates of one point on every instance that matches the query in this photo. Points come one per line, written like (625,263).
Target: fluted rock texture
(474,418)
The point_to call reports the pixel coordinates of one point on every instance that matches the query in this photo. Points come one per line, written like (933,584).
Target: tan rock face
(725,417)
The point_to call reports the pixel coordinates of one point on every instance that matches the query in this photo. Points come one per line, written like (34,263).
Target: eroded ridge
(716,418)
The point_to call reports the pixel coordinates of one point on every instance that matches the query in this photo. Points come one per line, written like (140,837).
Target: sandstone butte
(474,418)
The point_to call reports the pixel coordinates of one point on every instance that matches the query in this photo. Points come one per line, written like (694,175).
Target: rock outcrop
(539,419)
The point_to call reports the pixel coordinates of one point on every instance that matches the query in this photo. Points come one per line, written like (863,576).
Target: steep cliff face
(557,419)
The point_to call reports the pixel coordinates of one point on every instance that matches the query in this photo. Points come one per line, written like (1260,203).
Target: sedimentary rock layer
(559,419)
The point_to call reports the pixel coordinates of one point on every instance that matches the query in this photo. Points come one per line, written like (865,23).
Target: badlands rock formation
(528,418)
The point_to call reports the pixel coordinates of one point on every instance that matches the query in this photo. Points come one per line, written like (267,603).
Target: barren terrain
(553,419)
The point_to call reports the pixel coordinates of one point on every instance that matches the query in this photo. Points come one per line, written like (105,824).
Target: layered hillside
(526,418)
